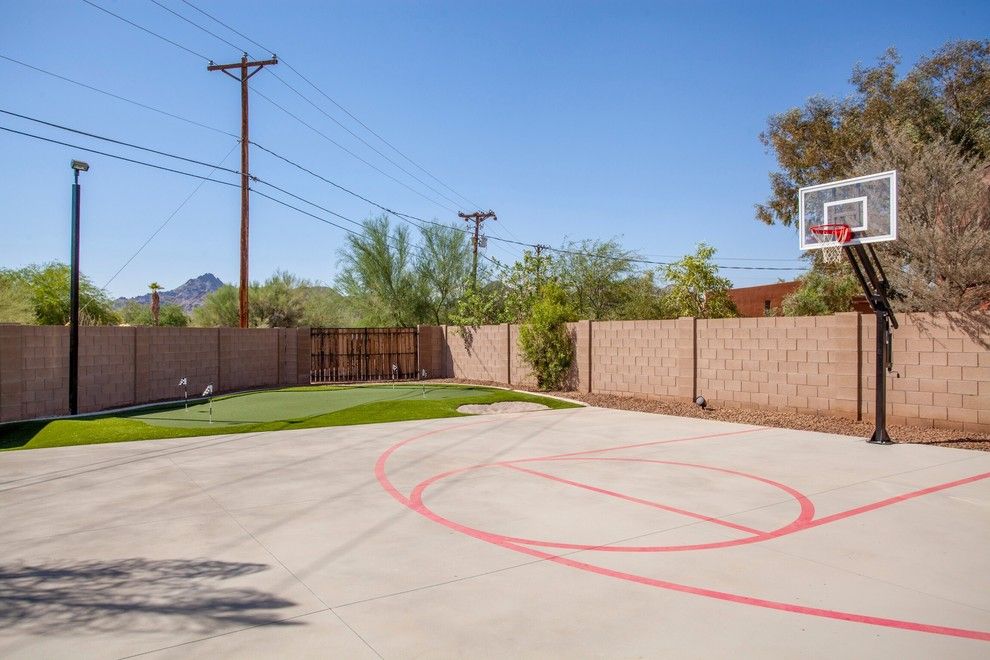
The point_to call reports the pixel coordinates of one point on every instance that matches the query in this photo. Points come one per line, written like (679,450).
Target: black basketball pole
(871,277)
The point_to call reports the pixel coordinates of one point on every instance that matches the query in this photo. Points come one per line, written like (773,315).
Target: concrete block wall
(815,365)
(106,368)
(163,356)
(798,364)
(942,375)
(639,357)
(248,358)
(128,366)
(432,350)
(477,353)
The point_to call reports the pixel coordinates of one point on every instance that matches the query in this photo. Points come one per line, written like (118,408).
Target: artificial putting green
(269,410)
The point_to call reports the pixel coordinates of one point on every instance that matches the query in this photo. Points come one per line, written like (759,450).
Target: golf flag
(209,390)
(184,381)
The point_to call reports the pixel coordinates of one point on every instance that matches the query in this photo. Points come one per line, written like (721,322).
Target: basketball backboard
(867,204)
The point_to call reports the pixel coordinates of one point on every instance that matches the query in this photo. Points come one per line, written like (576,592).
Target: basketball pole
(869,272)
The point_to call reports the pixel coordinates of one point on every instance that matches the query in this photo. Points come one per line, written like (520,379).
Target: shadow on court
(133,594)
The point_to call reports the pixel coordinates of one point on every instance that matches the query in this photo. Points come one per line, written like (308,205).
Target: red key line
(637,500)
(414,502)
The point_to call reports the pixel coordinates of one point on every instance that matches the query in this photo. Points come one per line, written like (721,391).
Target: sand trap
(501,407)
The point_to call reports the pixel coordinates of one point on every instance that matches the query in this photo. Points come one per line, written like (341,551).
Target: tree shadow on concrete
(136,595)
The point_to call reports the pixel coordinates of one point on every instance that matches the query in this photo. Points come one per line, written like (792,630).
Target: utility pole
(243,65)
(478,217)
(539,262)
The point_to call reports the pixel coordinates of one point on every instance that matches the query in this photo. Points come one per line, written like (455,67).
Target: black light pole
(77,167)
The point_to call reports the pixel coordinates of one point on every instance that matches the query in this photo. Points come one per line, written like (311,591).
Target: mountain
(188,296)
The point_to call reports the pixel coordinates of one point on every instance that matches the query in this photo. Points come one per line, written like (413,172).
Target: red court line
(415,503)
(649,444)
(637,500)
(896,499)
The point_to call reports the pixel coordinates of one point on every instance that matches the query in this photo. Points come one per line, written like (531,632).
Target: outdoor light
(78,166)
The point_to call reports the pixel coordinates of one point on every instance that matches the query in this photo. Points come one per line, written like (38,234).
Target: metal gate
(347,355)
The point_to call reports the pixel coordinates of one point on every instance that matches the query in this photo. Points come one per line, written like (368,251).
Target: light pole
(77,167)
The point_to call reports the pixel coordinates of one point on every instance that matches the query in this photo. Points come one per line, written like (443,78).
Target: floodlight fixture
(80,166)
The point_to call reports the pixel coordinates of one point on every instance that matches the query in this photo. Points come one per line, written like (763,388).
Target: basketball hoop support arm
(869,272)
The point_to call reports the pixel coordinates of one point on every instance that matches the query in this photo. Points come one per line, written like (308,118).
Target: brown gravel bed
(775,418)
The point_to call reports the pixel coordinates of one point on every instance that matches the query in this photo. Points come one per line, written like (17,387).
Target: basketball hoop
(833,236)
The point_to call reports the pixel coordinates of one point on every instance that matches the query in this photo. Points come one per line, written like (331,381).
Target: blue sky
(579,120)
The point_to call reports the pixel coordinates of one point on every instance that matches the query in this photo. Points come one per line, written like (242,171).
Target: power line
(406,217)
(120,142)
(144,29)
(118,97)
(119,157)
(196,25)
(348,151)
(305,98)
(362,140)
(335,103)
(157,231)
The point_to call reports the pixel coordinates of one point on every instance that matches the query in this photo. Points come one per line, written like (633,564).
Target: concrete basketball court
(572,533)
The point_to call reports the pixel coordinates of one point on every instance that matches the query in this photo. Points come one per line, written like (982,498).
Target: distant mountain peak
(188,296)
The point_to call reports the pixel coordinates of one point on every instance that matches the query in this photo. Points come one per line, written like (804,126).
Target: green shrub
(545,343)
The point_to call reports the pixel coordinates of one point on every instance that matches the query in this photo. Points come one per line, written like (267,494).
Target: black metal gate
(348,355)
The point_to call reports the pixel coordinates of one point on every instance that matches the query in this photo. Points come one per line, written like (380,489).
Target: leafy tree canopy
(696,289)
(48,286)
(822,293)
(945,95)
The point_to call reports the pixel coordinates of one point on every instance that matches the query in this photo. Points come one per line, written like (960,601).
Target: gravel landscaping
(913,434)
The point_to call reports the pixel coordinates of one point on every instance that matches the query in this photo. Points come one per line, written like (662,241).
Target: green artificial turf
(271,410)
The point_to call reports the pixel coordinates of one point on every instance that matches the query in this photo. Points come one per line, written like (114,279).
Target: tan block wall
(106,368)
(248,358)
(638,357)
(799,364)
(127,366)
(944,374)
(478,354)
(432,350)
(163,356)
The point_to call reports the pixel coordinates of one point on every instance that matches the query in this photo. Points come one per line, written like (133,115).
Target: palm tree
(155,301)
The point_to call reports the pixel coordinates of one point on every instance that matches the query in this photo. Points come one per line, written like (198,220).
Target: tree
(156,302)
(378,274)
(48,288)
(323,307)
(444,269)
(946,95)
(15,299)
(642,299)
(221,308)
(941,258)
(594,274)
(544,340)
(279,302)
(170,315)
(696,289)
(822,293)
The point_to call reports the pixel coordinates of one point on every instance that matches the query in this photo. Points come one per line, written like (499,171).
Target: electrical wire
(334,102)
(144,29)
(157,231)
(409,218)
(119,157)
(348,151)
(120,142)
(120,98)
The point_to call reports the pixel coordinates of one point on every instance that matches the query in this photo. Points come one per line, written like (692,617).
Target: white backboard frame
(808,242)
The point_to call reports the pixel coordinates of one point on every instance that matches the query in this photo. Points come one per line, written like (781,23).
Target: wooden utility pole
(539,262)
(243,65)
(478,217)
